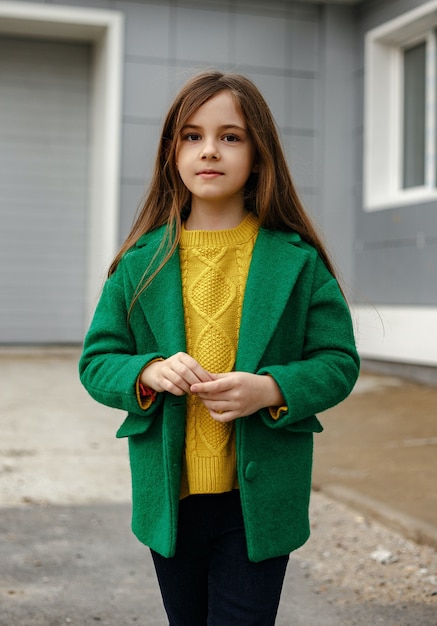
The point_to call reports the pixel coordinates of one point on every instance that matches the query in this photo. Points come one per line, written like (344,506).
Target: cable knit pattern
(214,267)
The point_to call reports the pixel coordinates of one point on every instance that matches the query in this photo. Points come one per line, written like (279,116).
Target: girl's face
(215,155)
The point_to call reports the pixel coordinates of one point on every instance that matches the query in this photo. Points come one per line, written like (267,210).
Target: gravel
(365,561)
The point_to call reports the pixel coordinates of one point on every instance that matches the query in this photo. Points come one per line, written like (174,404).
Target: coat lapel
(275,267)
(161,302)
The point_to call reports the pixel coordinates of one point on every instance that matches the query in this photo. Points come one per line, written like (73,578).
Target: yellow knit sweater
(214,267)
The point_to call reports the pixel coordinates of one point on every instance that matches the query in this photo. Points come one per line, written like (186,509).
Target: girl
(221,330)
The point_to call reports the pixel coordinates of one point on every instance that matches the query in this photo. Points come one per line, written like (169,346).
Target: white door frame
(104,30)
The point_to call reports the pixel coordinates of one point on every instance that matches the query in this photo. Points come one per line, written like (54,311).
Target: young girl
(222,331)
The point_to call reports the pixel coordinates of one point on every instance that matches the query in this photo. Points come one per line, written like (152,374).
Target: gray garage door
(44,128)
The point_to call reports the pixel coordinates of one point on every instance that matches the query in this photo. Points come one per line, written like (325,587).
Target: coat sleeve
(109,365)
(326,371)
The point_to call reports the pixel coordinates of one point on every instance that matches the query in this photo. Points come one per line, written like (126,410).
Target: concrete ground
(67,553)
(379,453)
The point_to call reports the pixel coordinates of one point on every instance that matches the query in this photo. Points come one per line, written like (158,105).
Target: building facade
(396,194)
(84,86)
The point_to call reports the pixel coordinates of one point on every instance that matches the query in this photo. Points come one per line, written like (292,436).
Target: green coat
(295,325)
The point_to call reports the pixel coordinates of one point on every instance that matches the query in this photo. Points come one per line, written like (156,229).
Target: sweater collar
(246,230)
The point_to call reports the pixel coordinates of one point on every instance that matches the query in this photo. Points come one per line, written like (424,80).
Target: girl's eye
(231,138)
(191,137)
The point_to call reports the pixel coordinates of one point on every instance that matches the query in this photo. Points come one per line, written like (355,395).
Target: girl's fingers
(215,385)
(188,369)
(236,394)
(223,416)
(176,374)
(179,372)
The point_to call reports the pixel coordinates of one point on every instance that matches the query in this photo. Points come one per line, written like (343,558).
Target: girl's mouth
(209,174)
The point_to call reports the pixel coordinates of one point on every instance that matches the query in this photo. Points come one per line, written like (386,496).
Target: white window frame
(383,109)
(104,30)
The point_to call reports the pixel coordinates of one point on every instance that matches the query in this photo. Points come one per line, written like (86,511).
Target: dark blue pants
(210,580)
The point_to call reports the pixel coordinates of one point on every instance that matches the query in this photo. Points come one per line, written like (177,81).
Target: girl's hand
(235,394)
(175,374)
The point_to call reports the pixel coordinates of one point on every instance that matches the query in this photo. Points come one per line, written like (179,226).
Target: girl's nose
(209,151)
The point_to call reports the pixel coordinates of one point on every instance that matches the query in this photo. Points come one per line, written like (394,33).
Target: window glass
(414,116)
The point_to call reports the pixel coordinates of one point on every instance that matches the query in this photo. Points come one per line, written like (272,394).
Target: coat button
(251,470)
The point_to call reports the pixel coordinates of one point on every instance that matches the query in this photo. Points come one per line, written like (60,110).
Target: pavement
(67,553)
(378,454)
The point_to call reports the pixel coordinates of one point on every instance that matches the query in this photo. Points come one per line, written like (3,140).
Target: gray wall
(336,163)
(396,249)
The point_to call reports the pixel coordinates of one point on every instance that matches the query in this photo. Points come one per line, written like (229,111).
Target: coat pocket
(134,424)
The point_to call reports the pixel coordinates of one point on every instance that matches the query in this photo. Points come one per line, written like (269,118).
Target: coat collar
(274,269)
(166,320)
(276,264)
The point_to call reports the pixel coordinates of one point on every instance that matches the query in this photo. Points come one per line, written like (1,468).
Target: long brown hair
(269,193)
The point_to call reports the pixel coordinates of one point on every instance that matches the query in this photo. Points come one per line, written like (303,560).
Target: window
(400,129)
(414,94)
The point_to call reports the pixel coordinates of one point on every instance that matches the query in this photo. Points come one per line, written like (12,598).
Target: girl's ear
(255,168)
